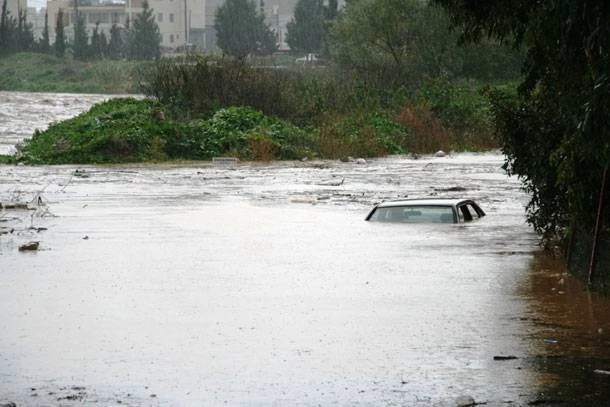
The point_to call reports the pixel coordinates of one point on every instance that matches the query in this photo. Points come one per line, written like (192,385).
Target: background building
(182,23)
(14,6)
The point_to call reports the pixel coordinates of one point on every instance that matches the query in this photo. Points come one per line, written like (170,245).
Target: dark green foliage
(25,35)
(462,108)
(116,44)
(7,29)
(555,130)
(241,30)
(199,86)
(305,32)
(15,34)
(133,130)
(361,135)
(81,38)
(109,132)
(44,45)
(99,44)
(60,39)
(145,39)
(246,133)
(394,43)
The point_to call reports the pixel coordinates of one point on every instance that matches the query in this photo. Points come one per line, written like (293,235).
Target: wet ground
(260,284)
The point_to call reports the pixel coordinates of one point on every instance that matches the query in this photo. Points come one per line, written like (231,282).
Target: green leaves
(305,33)
(555,131)
(145,41)
(241,30)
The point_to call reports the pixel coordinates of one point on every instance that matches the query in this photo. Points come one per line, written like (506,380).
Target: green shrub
(363,135)
(130,130)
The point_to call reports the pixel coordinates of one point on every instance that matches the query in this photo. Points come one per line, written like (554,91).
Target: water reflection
(571,336)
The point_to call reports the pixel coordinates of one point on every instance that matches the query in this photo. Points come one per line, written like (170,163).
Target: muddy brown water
(261,284)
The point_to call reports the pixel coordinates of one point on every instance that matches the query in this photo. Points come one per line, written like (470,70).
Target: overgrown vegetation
(555,129)
(408,92)
(132,130)
(34,72)
(141,41)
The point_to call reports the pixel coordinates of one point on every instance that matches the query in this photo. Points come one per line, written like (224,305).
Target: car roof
(424,202)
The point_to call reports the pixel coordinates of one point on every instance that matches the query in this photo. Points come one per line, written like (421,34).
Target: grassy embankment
(32,72)
(290,114)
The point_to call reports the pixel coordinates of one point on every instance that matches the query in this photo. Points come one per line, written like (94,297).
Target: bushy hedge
(132,130)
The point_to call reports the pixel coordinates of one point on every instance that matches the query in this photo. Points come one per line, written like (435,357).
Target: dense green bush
(131,130)
(362,135)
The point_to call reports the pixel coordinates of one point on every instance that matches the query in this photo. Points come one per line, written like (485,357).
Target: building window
(171,17)
(171,38)
(160,17)
(94,18)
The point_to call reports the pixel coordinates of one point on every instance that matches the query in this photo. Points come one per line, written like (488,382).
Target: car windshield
(414,214)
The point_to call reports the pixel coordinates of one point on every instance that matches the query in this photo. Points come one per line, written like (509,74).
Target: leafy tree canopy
(555,130)
(145,36)
(60,38)
(81,38)
(400,42)
(242,31)
(306,30)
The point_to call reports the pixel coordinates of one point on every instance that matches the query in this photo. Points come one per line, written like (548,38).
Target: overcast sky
(37,3)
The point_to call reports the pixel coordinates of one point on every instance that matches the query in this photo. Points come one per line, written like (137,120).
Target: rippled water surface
(260,284)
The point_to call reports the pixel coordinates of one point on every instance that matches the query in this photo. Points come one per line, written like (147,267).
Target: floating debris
(30,246)
(509,357)
(14,205)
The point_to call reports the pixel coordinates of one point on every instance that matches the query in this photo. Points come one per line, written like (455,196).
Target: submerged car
(428,210)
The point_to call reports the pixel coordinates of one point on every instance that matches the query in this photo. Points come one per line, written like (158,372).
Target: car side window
(465,213)
(473,211)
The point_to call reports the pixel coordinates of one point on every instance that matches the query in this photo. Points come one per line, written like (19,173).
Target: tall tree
(305,33)
(375,38)
(96,47)
(145,38)
(555,131)
(45,45)
(402,42)
(25,34)
(8,31)
(116,44)
(60,38)
(242,31)
(81,38)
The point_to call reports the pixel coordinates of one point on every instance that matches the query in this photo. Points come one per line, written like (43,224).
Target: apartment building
(175,18)
(106,13)
(14,6)
(181,22)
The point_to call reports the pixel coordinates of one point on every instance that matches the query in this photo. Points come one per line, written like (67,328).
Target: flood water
(249,284)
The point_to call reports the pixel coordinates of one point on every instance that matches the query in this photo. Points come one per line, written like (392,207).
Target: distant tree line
(242,31)
(139,40)
(15,33)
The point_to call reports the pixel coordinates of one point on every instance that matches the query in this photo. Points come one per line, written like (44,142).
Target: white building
(174,17)
(14,6)
(181,22)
